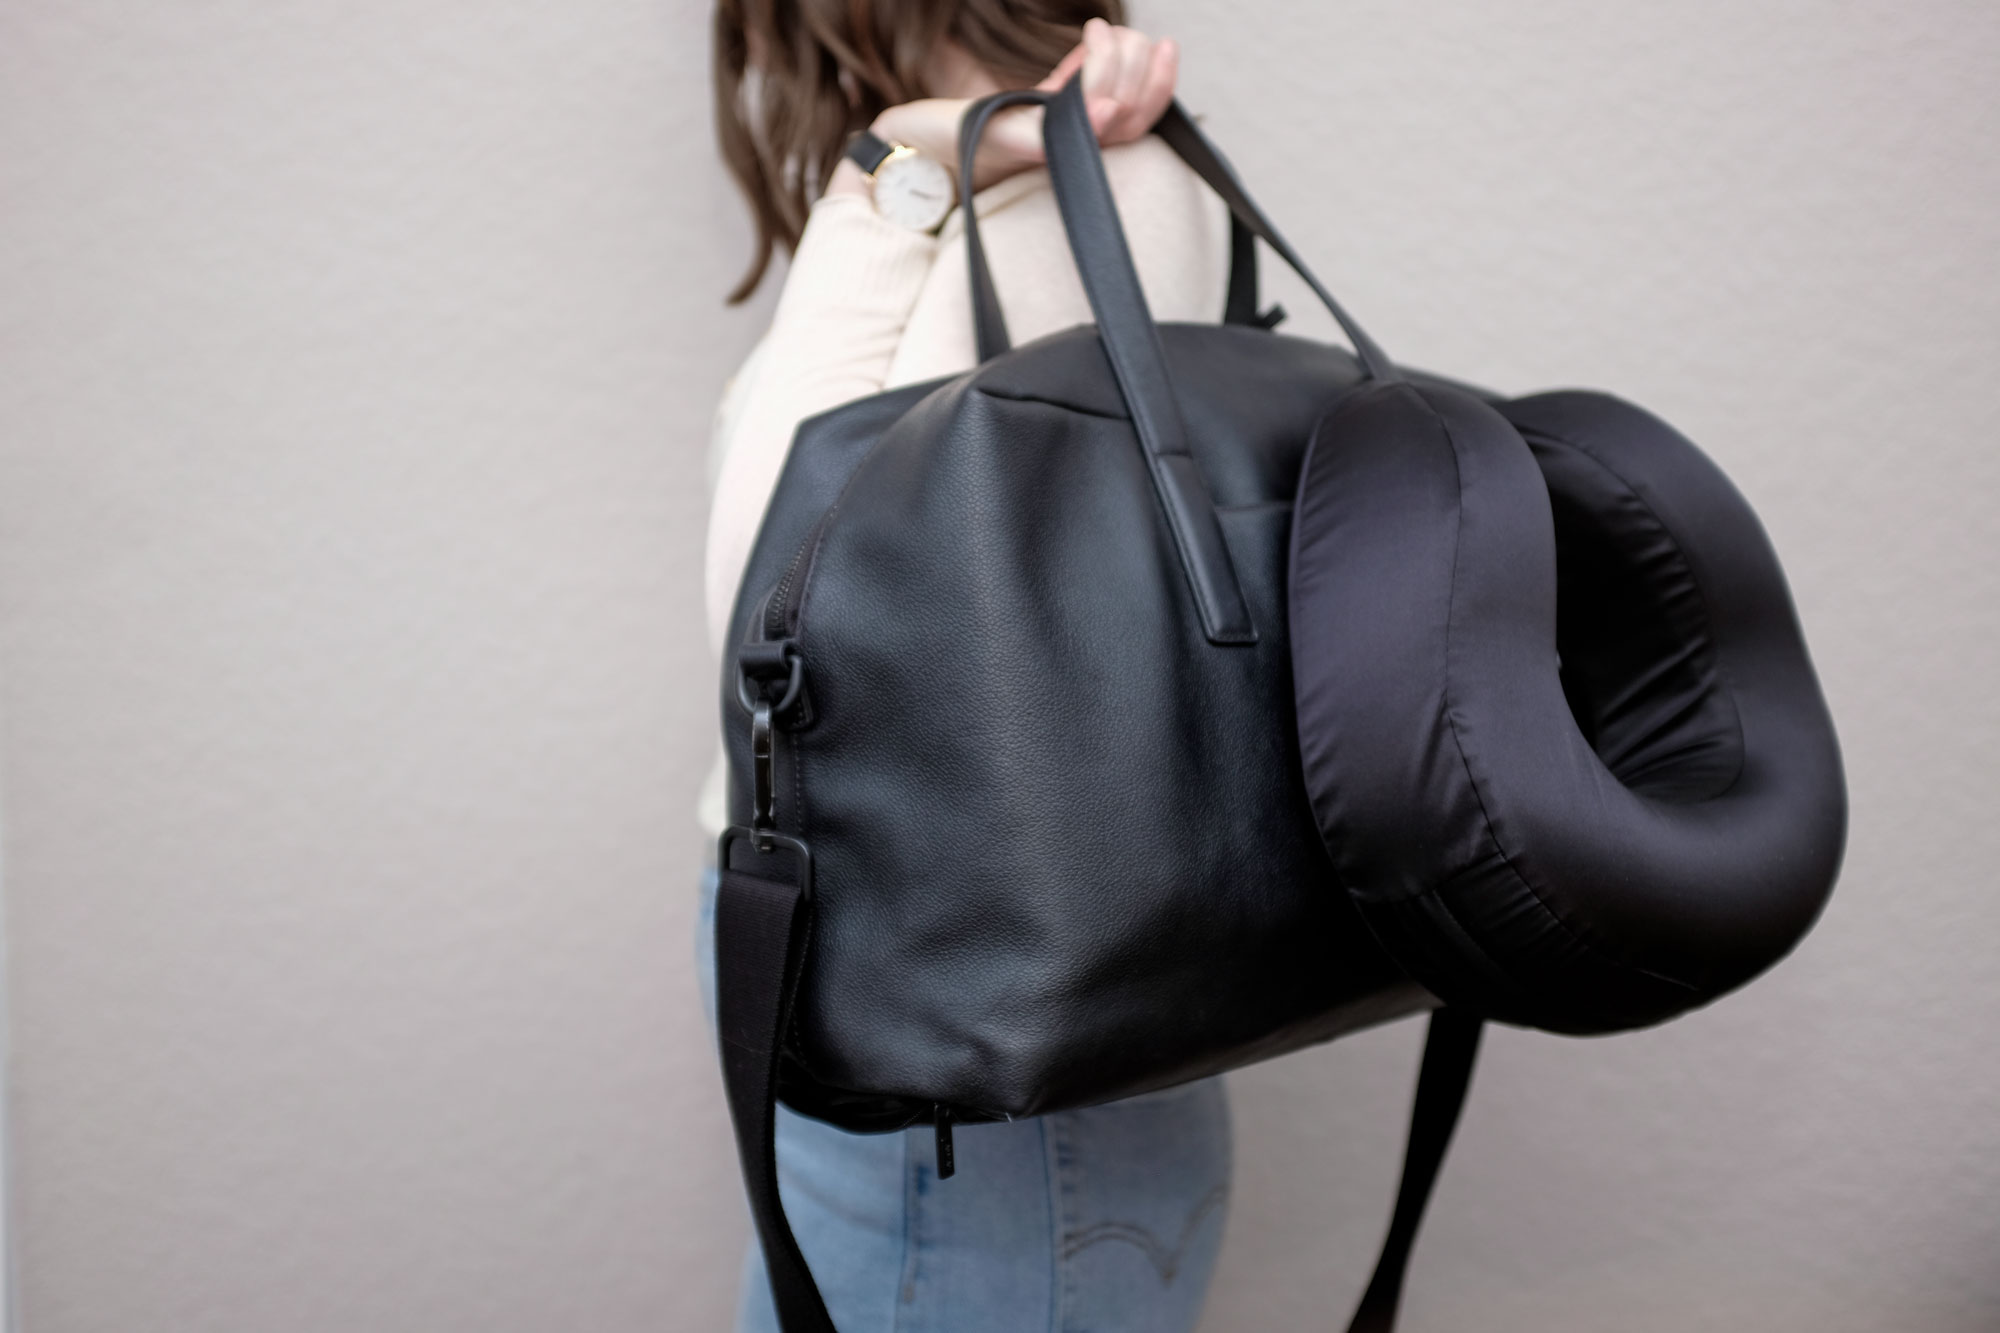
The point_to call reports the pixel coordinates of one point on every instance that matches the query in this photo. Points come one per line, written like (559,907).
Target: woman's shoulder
(1148,162)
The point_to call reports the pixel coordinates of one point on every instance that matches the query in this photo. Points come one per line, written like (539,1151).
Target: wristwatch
(910,188)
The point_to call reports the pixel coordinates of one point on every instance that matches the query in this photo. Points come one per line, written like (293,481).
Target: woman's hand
(1128,79)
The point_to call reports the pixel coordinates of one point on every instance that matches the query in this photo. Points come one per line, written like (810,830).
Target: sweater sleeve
(833,334)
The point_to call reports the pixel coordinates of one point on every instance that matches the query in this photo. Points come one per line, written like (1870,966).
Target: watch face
(913,190)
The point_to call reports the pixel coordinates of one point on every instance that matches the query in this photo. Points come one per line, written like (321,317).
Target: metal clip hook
(764,783)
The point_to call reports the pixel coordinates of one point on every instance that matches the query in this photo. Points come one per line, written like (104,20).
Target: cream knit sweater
(868,305)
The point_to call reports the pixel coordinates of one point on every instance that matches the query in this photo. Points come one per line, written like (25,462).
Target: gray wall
(355,367)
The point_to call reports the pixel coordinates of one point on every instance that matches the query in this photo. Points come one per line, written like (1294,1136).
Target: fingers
(1156,88)
(1104,54)
(1060,74)
(1128,79)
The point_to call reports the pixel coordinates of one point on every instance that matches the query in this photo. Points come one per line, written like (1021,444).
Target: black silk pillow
(1557,718)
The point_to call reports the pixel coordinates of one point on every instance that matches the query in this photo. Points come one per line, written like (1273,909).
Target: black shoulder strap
(1450,1048)
(763,915)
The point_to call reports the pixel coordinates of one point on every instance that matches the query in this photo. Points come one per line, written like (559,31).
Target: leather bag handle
(1247,224)
(1239,307)
(1132,345)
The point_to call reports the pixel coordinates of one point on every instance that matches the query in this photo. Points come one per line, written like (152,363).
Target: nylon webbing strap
(1449,1050)
(761,922)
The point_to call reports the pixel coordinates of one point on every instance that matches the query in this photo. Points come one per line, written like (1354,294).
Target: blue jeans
(1102,1220)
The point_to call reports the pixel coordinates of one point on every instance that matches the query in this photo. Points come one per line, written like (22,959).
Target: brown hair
(825,68)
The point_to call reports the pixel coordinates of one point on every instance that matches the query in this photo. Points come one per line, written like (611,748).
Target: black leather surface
(1035,893)
(1076,172)
(1130,340)
(1063,849)
(1558,717)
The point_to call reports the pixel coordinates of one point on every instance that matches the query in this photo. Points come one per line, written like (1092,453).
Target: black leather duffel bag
(1019,822)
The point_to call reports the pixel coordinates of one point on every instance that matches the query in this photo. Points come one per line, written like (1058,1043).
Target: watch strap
(867,150)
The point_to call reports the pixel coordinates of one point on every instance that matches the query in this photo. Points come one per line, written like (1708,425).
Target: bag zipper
(781,607)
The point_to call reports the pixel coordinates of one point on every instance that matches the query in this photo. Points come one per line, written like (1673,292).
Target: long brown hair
(825,68)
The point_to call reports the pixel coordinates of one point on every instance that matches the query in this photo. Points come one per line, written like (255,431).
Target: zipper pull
(946,1163)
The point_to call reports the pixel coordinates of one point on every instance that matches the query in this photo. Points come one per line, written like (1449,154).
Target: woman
(1107,1218)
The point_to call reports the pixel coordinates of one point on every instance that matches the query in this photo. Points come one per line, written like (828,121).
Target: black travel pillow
(1557,718)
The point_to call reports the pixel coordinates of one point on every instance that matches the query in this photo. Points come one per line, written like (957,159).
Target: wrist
(931,126)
